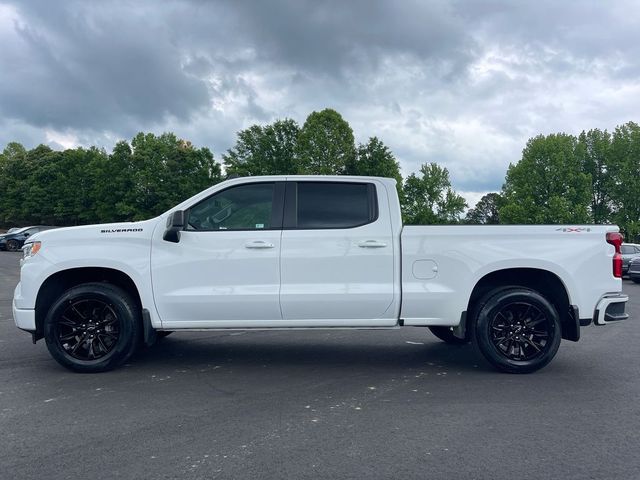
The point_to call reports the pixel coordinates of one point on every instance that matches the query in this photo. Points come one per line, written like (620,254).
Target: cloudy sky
(464,84)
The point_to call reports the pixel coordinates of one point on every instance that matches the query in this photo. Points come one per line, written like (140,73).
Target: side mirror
(175,223)
(26,235)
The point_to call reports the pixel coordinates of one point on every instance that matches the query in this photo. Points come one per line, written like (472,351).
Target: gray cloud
(461,83)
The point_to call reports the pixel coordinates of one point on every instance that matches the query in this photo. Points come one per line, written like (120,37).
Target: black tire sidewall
(13,245)
(124,308)
(495,301)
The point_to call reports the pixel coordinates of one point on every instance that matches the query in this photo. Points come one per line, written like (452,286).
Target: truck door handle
(258,244)
(371,244)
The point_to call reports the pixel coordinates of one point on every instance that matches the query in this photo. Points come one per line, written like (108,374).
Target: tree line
(560,178)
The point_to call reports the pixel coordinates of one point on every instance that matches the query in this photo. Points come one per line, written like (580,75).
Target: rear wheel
(446,335)
(517,330)
(93,327)
(13,245)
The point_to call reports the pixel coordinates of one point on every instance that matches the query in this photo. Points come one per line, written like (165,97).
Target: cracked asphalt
(320,404)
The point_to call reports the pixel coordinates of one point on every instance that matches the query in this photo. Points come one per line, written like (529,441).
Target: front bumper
(610,308)
(25,318)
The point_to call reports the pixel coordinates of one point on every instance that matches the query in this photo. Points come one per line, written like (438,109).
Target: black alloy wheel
(93,327)
(520,331)
(88,329)
(517,329)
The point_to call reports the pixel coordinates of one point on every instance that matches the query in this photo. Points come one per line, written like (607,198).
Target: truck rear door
(337,254)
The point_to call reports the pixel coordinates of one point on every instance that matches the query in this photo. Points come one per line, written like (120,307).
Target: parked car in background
(629,252)
(13,240)
(634,269)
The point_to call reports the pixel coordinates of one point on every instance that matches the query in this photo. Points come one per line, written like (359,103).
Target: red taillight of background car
(616,239)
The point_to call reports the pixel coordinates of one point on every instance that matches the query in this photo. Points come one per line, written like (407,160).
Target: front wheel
(93,327)
(517,330)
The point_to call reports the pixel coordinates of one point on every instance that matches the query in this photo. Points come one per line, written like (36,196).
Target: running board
(265,329)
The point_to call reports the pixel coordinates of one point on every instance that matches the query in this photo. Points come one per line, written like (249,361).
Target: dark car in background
(13,240)
(634,269)
(629,252)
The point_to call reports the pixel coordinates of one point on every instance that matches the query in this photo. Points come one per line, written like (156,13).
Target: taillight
(616,239)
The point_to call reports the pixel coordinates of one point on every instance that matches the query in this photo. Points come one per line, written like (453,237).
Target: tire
(517,330)
(636,280)
(13,246)
(446,335)
(93,327)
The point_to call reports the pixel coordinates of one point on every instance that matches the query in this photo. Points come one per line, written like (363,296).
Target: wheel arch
(59,282)
(547,283)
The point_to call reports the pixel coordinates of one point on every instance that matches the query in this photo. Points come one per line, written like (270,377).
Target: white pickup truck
(287,252)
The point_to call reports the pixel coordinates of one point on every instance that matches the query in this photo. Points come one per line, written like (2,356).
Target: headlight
(30,249)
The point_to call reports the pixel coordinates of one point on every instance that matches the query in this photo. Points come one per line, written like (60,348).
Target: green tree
(60,178)
(486,211)
(625,179)
(325,144)
(166,170)
(429,198)
(113,178)
(375,159)
(14,175)
(37,203)
(594,153)
(548,184)
(268,150)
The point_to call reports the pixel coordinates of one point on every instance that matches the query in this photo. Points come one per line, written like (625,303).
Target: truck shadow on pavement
(193,352)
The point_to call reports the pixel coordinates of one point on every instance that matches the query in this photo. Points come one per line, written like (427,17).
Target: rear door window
(324,205)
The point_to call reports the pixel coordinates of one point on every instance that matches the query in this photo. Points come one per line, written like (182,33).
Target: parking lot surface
(321,404)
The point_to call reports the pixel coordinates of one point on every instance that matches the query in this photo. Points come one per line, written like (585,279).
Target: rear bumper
(610,308)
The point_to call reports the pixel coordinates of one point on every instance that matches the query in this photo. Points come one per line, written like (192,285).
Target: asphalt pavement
(320,404)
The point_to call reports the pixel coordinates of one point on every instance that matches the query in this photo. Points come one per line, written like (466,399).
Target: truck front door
(225,270)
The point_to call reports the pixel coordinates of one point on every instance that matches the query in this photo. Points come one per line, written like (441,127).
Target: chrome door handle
(258,244)
(372,244)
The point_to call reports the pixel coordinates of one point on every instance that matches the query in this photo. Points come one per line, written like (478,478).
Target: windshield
(17,230)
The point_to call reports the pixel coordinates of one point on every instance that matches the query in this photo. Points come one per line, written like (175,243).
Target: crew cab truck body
(308,252)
